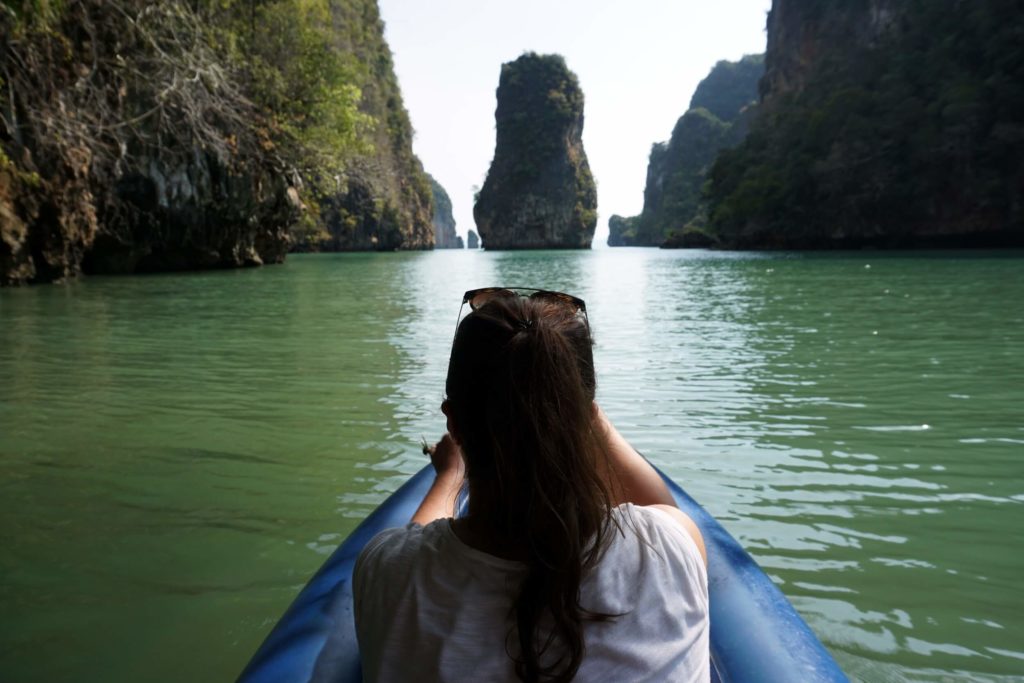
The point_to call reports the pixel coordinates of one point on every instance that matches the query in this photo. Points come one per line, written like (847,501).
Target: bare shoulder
(688,525)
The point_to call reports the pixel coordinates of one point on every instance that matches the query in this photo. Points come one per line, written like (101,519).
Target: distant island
(539,192)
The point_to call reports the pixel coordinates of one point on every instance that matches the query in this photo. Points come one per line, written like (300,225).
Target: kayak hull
(756,634)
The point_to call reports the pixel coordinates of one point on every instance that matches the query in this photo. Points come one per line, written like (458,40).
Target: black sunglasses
(478,297)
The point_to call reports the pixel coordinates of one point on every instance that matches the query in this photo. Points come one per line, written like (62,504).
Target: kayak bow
(756,634)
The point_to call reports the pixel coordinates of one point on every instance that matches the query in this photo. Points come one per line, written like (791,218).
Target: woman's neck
(480,530)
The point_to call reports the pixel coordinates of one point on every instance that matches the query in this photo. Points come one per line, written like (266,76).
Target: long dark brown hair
(520,388)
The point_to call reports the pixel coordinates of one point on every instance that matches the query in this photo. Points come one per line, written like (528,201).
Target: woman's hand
(439,503)
(446,457)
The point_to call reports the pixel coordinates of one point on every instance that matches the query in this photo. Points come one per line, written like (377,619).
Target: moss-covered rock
(539,192)
(382,199)
(176,135)
(622,231)
(694,235)
(129,147)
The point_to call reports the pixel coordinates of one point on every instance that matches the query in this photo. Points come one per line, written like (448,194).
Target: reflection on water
(179,452)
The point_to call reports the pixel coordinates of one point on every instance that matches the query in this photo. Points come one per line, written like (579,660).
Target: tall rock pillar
(539,192)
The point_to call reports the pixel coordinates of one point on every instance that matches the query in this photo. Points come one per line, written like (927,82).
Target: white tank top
(429,608)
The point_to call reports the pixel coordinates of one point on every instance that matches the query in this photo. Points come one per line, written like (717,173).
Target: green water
(178,453)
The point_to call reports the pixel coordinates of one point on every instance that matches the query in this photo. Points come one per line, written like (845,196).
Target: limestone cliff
(677,170)
(803,33)
(139,136)
(622,231)
(443,221)
(883,123)
(539,192)
(472,241)
(383,199)
(125,147)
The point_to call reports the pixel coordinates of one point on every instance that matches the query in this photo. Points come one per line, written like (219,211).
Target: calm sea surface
(179,453)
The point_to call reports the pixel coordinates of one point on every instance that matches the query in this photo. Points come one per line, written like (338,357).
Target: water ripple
(189,446)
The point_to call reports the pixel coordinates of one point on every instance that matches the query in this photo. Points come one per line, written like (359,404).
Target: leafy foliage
(307,86)
(539,100)
(371,189)
(33,13)
(306,83)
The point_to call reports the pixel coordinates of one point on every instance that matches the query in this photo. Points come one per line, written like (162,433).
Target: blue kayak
(756,635)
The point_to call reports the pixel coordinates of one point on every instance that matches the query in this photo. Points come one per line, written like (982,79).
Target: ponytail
(521,387)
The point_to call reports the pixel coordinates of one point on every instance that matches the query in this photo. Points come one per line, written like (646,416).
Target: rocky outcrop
(539,192)
(691,237)
(374,212)
(622,231)
(718,118)
(445,236)
(472,241)
(730,88)
(882,124)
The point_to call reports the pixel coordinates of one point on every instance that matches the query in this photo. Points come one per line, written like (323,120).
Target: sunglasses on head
(478,297)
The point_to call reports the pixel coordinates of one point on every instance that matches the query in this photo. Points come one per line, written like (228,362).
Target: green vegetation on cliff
(129,145)
(324,74)
(905,127)
(210,133)
(381,198)
(310,90)
(729,88)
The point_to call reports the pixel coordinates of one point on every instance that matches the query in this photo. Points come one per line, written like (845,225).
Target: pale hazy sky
(638,62)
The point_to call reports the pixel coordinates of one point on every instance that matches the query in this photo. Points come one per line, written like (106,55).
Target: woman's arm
(439,502)
(633,479)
